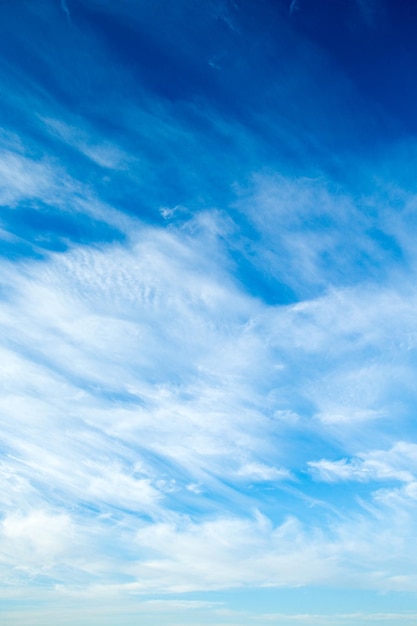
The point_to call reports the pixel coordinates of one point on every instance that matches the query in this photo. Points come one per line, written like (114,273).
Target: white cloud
(228,552)
(398,463)
(105,154)
(22,177)
(26,175)
(144,393)
(157,380)
(261,472)
(35,542)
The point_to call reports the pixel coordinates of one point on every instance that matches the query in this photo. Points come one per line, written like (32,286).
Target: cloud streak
(208,323)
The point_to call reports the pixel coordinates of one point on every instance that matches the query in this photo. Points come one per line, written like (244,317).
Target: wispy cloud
(398,463)
(294,6)
(65,9)
(137,409)
(205,315)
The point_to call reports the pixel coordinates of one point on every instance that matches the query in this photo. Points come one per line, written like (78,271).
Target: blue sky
(208,312)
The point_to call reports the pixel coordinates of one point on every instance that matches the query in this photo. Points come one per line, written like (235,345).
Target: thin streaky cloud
(207,312)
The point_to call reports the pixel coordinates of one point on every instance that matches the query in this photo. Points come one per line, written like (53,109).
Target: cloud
(240,552)
(65,9)
(397,463)
(294,6)
(42,185)
(36,542)
(260,472)
(357,618)
(104,154)
(23,178)
(152,370)
(246,324)
(313,236)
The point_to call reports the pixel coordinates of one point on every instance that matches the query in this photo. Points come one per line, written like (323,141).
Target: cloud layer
(207,285)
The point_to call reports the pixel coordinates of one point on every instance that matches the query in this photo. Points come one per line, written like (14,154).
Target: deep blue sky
(208,295)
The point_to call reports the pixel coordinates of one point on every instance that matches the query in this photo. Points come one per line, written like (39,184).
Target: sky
(208,320)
